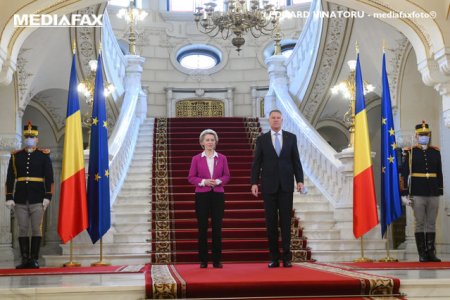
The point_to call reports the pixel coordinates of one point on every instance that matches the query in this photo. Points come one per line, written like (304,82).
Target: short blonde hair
(208,131)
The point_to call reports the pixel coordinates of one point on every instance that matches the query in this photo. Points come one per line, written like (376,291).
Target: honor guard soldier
(423,168)
(29,189)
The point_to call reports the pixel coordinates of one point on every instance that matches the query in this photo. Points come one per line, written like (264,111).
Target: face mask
(423,139)
(30,142)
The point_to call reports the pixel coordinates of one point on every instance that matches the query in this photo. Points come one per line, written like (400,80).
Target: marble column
(7,144)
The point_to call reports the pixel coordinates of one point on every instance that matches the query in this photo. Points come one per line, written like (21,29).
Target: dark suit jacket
(276,171)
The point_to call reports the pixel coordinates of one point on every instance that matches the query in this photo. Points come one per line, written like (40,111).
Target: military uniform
(29,182)
(423,166)
(426,173)
(32,174)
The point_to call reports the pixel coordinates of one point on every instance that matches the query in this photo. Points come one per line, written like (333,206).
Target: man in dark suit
(276,160)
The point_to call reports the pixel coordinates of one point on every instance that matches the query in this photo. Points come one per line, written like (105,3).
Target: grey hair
(208,131)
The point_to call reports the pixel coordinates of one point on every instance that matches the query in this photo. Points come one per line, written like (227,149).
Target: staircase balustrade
(125,73)
(300,64)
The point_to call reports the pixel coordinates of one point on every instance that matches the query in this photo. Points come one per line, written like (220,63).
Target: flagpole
(100,263)
(71,263)
(388,257)
(362,258)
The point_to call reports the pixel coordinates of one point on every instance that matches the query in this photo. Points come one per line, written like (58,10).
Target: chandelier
(132,15)
(86,88)
(348,89)
(238,18)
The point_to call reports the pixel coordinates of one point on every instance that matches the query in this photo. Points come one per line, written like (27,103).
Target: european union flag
(391,207)
(99,210)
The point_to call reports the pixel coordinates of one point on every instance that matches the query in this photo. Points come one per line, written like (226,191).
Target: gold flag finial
(100,47)
(74,47)
(357,47)
(384,45)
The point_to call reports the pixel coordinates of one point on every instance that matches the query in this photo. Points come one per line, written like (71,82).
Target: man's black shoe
(287,264)
(274,264)
(217,265)
(203,265)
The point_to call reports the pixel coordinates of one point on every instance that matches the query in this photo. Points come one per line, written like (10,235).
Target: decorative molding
(23,77)
(394,65)
(337,33)
(10,143)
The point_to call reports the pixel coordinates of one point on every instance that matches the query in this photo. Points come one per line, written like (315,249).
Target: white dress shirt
(210,162)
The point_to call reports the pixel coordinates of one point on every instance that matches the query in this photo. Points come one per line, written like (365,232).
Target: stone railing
(300,64)
(114,61)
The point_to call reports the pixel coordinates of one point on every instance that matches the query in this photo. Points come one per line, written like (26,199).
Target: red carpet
(72,271)
(404,265)
(256,280)
(174,225)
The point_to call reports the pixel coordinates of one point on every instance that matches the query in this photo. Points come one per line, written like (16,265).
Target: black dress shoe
(287,264)
(274,264)
(203,265)
(217,265)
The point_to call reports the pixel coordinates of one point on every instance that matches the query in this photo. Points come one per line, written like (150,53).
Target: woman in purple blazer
(209,173)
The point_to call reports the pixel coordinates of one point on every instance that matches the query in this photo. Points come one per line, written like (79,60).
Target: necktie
(277,144)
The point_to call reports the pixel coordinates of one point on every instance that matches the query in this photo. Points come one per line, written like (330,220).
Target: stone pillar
(7,144)
(277,71)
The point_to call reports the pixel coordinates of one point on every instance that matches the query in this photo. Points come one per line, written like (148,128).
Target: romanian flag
(73,215)
(365,215)
(98,181)
(391,206)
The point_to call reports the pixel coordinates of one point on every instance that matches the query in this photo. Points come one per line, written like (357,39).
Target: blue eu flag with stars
(391,207)
(99,210)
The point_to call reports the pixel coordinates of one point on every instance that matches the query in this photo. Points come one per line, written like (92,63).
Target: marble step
(350,255)
(311,206)
(132,227)
(137,182)
(87,260)
(141,217)
(136,200)
(134,192)
(108,248)
(139,170)
(132,237)
(127,207)
(344,245)
(317,216)
(322,234)
(142,150)
(138,177)
(140,161)
(315,225)
(142,156)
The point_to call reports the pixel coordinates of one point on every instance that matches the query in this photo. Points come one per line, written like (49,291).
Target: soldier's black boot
(421,247)
(431,250)
(24,244)
(35,245)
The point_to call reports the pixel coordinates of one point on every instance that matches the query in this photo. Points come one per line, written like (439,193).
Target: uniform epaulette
(407,149)
(44,150)
(16,151)
(435,148)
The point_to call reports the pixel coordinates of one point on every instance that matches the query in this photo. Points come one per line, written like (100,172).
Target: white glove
(406,200)
(10,204)
(45,203)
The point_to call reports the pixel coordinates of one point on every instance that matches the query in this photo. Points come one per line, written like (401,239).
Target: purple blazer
(199,171)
